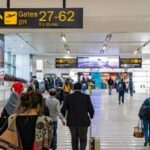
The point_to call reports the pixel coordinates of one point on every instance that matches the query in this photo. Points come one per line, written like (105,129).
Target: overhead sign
(130,62)
(66,63)
(98,62)
(41,18)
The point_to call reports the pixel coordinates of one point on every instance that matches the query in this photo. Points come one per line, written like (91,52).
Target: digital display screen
(130,62)
(98,62)
(41,18)
(66,63)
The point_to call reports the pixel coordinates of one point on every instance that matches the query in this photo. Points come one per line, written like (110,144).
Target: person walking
(121,90)
(33,128)
(130,86)
(110,85)
(13,101)
(90,86)
(79,110)
(144,115)
(54,111)
(67,87)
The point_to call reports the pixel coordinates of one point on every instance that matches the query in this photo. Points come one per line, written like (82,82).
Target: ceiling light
(63,37)
(135,52)
(104,47)
(22,45)
(68,52)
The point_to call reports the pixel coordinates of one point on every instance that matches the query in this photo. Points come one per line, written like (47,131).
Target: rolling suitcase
(94,143)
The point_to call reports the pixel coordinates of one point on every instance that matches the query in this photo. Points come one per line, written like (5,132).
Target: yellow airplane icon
(1,17)
(10,17)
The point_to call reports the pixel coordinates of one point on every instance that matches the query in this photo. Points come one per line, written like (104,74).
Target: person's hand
(63,122)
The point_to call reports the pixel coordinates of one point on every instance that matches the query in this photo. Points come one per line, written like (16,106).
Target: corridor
(112,123)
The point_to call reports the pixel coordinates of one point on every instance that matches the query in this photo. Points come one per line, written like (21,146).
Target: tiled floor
(112,123)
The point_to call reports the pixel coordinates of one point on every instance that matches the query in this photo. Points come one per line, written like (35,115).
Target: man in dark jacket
(121,90)
(79,110)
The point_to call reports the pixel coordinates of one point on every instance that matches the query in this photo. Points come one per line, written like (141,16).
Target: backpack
(58,93)
(67,88)
(120,86)
(84,86)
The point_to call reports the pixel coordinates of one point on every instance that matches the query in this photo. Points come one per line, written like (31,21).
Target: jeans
(110,89)
(146,125)
(79,134)
(121,95)
(54,140)
(131,91)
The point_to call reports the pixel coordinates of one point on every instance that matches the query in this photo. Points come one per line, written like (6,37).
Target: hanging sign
(41,18)
(66,63)
(130,63)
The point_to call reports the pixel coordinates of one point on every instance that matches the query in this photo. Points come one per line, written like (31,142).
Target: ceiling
(99,15)
(50,44)
(127,20)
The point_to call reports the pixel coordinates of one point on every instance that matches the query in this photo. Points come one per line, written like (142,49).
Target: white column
(23,66)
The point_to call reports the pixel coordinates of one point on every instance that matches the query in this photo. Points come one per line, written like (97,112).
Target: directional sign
(41,18)
(130,62)
(66,63)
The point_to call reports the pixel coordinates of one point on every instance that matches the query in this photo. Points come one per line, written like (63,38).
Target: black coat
(79,109)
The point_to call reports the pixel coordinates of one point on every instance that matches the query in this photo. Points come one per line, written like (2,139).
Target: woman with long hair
(33,128)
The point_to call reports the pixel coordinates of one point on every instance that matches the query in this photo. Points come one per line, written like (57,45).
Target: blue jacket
(144,112)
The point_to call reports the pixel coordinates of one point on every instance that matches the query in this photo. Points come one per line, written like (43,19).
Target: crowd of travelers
(121,87)
(34,119)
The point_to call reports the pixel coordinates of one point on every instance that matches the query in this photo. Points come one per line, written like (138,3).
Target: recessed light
(63,37)
(104,47)
(22,45)
(13,50)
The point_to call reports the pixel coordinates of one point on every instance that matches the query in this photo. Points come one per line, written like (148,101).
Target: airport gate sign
(41,18)
(66,63)
(130,62)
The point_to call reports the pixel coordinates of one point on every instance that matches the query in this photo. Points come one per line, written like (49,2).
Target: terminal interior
(111,30)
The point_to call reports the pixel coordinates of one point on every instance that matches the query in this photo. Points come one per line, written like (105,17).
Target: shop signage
(41,18)
(66,63)
(130,62)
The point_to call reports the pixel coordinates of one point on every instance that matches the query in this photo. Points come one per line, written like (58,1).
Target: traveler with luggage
(144,115)
(79,110)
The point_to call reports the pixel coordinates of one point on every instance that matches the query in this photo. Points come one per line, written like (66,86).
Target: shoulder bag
(10,140)
(138,131)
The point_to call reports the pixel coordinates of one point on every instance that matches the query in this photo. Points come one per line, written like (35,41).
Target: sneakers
(145,144)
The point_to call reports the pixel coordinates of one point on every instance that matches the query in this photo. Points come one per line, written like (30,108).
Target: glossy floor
(113,123)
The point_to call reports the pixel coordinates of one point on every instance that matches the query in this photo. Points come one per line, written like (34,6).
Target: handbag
(10,140)
(138,131)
